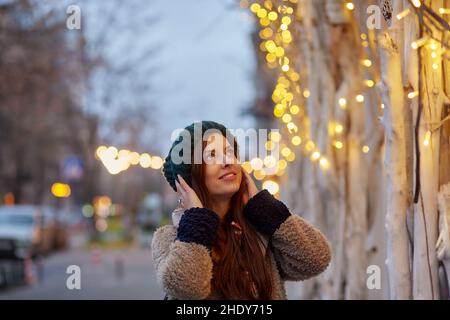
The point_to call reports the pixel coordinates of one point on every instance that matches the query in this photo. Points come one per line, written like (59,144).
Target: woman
(229,241)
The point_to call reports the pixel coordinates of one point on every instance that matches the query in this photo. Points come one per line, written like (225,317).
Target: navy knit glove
(265,212)
(198,225)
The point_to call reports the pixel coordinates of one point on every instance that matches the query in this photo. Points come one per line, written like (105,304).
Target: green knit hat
(188,138)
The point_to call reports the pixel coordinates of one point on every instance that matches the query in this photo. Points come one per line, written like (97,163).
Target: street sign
(73,168)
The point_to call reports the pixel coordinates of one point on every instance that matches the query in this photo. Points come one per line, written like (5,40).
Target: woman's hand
(188,196)
(252,190)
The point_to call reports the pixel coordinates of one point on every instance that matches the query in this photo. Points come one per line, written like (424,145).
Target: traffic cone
(96,258)
(29,276)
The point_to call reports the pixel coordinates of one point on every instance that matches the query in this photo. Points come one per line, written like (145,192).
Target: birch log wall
(361,99)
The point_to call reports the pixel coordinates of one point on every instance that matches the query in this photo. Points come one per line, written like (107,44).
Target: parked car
(20,231)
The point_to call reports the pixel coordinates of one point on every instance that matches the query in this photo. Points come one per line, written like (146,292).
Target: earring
(238,228)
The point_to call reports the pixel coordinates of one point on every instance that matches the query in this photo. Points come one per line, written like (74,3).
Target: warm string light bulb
(419,42)
(403,14)
(416,3)
(324,163)
(426,140)
(369,83)
(366,63)
(413,94)
(350,6)
(342,103)
(339,128)
(360,98)
(338,145)
(315,155)
(274,44)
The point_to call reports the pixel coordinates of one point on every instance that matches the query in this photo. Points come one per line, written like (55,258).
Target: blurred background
(91,93)
(122,82)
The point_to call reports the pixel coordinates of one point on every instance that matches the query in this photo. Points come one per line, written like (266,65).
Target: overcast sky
(205,60)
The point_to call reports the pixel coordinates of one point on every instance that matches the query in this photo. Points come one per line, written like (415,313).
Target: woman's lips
(228,177)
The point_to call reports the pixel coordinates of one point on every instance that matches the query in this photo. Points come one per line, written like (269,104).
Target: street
(106,274)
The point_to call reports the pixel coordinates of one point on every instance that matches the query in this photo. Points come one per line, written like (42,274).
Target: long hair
(240,269)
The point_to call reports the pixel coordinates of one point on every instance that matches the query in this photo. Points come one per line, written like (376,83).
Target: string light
(255,7)
(315,155)
(275,40)
(294,109)
(117,161)
(403,14)
(145,160)
(338,144)
(365,149)
(416,3)
(247,167)
(426,141)
(360,98)
(342,103)
(413,94)
(296,140)
(366,63)
(287,118)
(271,186)
(256,164)
(339,128)
(369,83)
(286,151)
(444,11)
(282,164)
(270,161)
(291,157)
(309,146)
(324,163)
(419,42)
(275,136)
(350,6)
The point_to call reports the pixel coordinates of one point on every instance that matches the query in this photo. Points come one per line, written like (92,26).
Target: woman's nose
(227,161)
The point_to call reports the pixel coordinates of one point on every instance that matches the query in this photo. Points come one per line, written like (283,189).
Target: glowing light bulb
(296,140)
(366,63)
(426,141)
(419,42)
(403,14)
(324,163)
(338,145)
(413,94)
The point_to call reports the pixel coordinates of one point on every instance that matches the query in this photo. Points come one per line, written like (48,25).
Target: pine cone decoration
(386,10)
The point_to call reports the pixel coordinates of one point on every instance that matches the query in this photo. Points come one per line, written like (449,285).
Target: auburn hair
(240,268)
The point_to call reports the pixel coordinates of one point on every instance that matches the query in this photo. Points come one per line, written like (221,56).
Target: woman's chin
(228,190)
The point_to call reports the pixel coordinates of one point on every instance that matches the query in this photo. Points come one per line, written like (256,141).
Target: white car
(20,233)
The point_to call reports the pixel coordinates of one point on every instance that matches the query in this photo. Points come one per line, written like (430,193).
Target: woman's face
(223,173)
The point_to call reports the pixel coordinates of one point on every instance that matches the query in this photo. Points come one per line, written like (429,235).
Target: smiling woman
(231,240)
